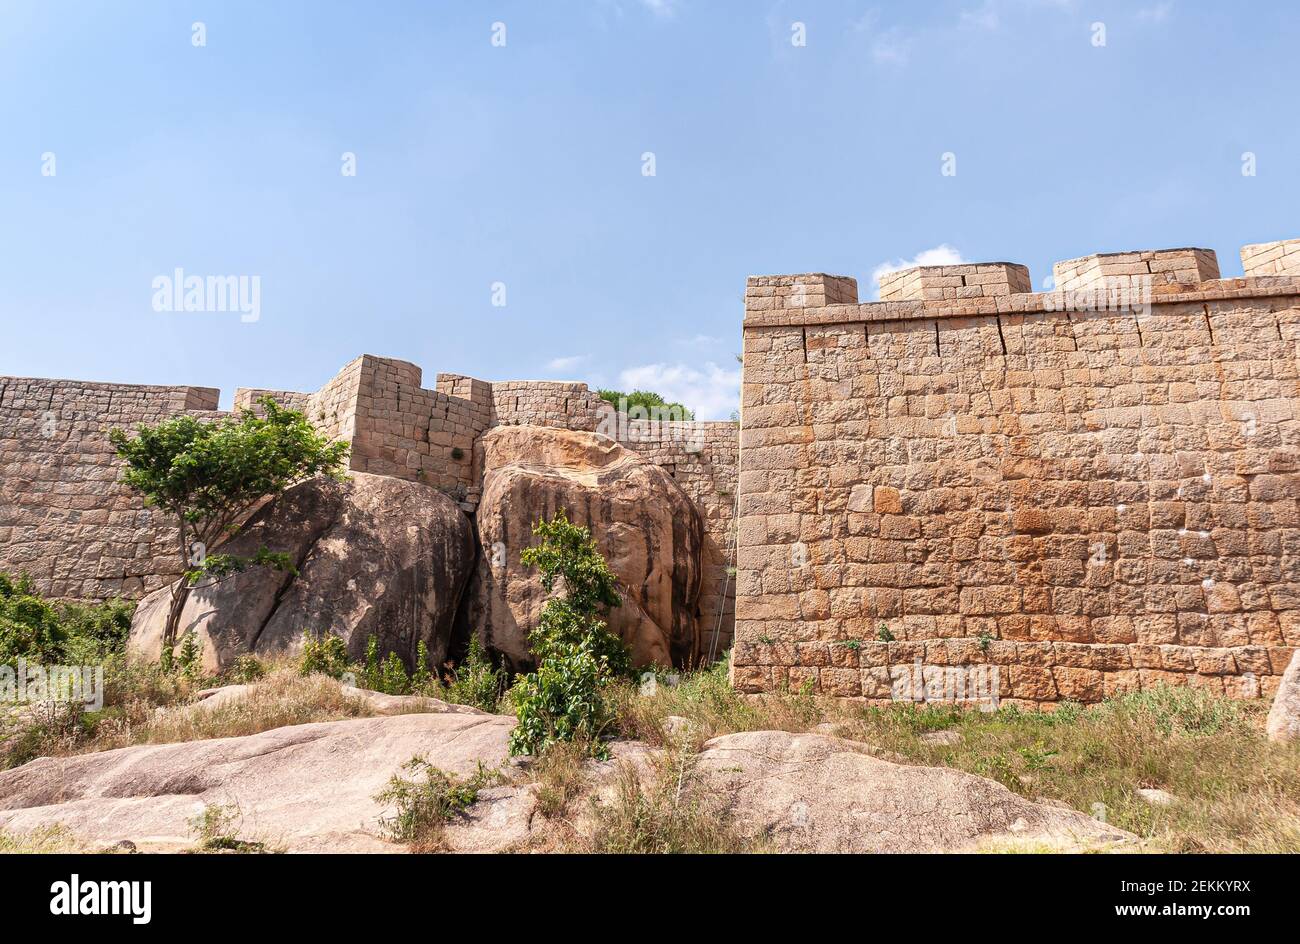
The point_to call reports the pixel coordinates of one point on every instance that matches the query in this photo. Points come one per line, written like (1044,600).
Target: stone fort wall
(970,474)
(66,520)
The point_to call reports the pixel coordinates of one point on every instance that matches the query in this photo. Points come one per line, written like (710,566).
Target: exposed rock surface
(374,554)
(308,787)
(648,530)
(311,787)
(1283,723)
(812,793)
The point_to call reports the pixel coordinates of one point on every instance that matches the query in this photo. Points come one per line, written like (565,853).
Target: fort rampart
(1093,490)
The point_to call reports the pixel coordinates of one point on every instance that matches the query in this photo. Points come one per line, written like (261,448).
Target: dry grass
(712,708)
(152,708)
(664,813)
(47,839)
(561,773)
(281,699)
(1235,790)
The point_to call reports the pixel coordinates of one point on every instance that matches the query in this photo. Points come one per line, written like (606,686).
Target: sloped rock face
(649,532)
(309,787)
(1284,717)
(813,793)
(375,555)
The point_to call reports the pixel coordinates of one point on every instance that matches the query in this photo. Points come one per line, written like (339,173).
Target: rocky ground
(313,788)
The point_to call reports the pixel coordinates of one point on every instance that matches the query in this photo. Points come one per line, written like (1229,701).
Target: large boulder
(374,554)
(813,793)
(1283,723)
(308,787)
(645,526)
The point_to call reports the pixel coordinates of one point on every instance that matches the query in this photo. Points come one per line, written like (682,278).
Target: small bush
(426,800)
(667,816)
(215,826)
(246,670)
(387,675)
(324,655)
(475,681)
(563,700)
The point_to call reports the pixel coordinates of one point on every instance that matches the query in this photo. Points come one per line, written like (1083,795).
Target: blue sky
(523,165)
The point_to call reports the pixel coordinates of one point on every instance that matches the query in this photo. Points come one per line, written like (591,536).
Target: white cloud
(565,363)
(660,7)
(712,392)
(1156,14)
(942,254)
(700,340)
(889,47)
(983,17)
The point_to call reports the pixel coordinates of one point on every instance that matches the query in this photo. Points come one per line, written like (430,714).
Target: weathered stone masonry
(1090,500)
(1093,501)
(66,521)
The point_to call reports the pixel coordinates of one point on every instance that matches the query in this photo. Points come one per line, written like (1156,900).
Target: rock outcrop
(312,787)
(648,530)
(813,793)
(1283,723)
(374,555)
(309,787)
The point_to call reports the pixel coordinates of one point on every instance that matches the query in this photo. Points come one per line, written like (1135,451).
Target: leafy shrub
(387,675)
(564,700)
(246,670)
(426,800)
(325,655)
(49,632)
(475,681)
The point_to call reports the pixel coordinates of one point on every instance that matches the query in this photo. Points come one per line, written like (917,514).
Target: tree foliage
(656,406)
(49,632)
(208,475)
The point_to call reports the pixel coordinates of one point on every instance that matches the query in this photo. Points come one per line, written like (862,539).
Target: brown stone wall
(1093,501)
(66,521)
(545,403)
(406,431)
(64,518)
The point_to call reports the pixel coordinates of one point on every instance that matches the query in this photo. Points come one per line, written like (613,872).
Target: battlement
(810,290)
(933,293)
(979,280)
(1278,258)
(1161,266)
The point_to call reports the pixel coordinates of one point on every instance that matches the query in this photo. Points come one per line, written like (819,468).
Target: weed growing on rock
(426,799)
(216,827)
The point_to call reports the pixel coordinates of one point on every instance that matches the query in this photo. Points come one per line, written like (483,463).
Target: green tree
(657,408)
(577,655)
(209,475)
